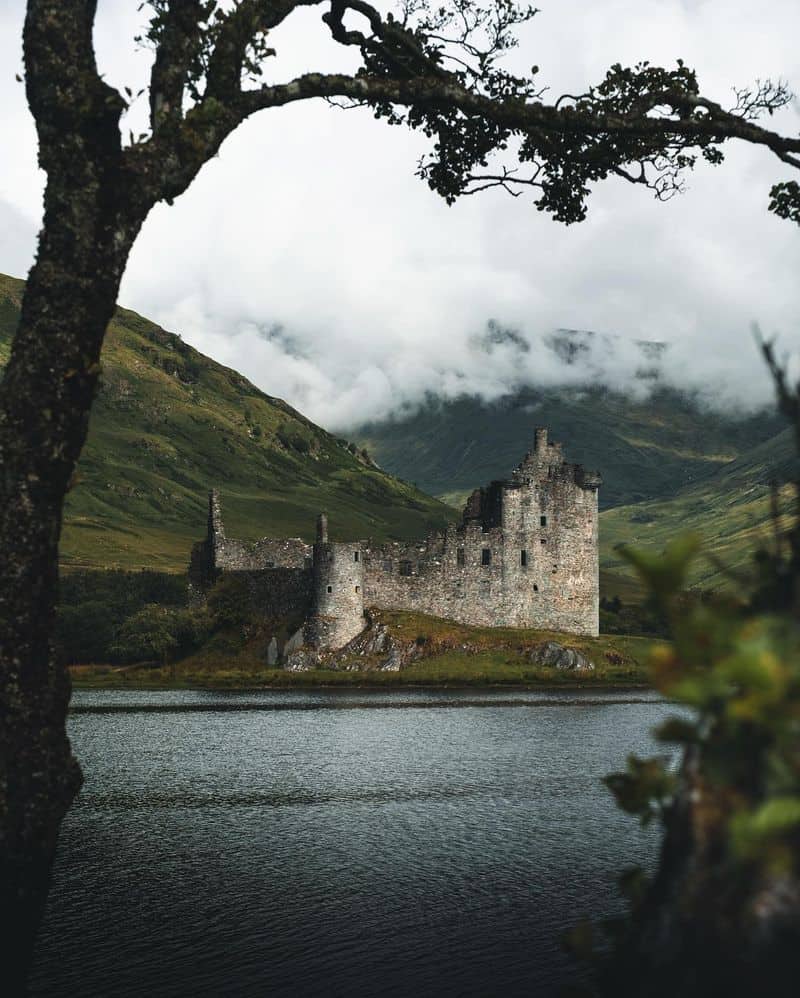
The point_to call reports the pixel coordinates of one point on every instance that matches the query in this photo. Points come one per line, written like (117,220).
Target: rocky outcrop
(561,657)
(374,649)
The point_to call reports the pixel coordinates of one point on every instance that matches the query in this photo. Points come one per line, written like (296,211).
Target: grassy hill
(169,423)
(731,510)
(648,448)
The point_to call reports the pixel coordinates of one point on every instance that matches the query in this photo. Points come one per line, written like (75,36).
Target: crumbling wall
(279,593)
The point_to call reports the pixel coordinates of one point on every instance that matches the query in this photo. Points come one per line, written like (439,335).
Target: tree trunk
(45,399)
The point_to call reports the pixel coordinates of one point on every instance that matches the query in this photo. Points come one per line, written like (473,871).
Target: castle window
(486,556)
(544,541)
(459,556)
(543,521)
(523,559)
(535,588)
(355,556)
(405,568)
(330,589)
(387,566)
(358,589)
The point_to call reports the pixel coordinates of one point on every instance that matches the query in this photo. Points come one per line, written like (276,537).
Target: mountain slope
(731,511)
(645,448)
(169,423)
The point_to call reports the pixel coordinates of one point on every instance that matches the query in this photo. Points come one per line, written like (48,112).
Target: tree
(149,634)
(432,68)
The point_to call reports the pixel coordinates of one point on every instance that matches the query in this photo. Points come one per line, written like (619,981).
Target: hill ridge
(169,423)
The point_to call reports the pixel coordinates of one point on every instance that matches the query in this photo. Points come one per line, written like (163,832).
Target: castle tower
(337,614)
(550,572)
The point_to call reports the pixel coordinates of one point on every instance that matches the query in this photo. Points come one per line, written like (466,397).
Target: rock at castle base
(392,662)
(296,641)
(272,652)
(557,656)
(302,660)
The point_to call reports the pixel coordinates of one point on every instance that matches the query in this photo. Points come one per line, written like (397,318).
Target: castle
(524,555)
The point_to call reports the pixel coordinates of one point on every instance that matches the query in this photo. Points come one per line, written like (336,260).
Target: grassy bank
(452,656)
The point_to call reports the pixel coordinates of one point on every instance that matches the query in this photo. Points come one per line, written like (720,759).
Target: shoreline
(383,687)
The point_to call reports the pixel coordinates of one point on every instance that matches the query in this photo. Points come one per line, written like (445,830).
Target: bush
(84,632)
(160,633)
(229,603)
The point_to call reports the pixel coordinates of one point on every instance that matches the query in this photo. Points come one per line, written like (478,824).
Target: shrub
(229,603)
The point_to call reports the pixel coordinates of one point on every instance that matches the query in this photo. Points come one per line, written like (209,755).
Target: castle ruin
(524,555)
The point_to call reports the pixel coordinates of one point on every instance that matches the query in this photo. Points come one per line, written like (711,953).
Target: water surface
(338,842)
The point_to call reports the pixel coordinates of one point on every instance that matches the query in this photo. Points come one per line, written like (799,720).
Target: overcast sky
(309,257)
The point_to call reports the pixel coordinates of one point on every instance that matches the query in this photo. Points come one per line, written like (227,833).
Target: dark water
(338,843)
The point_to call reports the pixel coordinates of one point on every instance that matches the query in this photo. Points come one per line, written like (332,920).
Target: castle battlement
(525,554)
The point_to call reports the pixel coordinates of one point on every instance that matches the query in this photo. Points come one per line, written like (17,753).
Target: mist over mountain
(647,444)
(344,380)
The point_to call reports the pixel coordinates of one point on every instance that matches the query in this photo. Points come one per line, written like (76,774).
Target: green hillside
(647,448)
(731,510)
(169,423)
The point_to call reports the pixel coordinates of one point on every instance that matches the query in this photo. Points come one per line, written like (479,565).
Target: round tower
(337,613)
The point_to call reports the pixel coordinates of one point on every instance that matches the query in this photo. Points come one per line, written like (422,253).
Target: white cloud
(312,219)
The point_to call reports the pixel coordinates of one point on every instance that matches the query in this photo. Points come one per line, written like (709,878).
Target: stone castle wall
(525,555)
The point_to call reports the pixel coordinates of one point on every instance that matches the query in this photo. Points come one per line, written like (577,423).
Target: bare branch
(765,95)
(507,180)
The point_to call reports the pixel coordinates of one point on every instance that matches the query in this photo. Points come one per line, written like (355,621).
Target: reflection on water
(308,842)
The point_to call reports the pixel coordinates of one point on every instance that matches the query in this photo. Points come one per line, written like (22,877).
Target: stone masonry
(524,555)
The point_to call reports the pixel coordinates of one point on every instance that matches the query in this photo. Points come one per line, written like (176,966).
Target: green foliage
(664,574)
(755,833)
(159,633)
(785,200)
(122,591)
(149,634)
(229,603)
(85,632)
(626,617)
(644,789)
(738,673)
(93,605)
